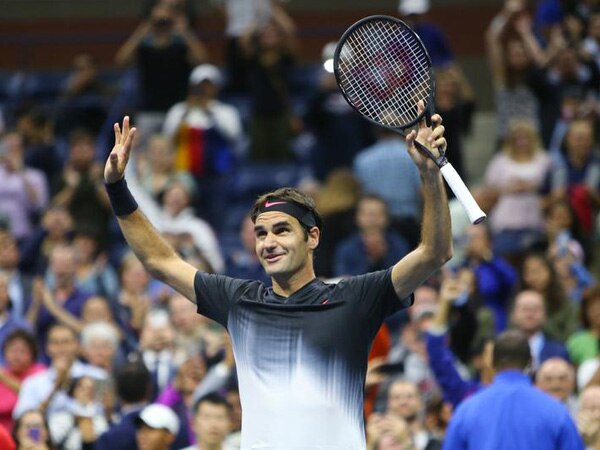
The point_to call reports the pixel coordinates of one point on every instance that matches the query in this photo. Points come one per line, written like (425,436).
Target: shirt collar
(512,376)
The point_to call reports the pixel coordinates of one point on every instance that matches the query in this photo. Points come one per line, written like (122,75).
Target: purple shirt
(15,202)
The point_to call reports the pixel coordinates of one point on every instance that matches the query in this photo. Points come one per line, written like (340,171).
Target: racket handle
(462,193)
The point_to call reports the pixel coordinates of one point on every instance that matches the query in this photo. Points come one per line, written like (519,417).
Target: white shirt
(37,388)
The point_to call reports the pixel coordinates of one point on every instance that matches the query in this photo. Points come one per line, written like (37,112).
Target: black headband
(296,210)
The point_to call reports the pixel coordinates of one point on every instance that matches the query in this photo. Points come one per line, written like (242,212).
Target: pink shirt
(522,210)
(8,397)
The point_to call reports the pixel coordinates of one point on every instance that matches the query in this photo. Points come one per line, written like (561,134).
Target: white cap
(327,56)
(206,72)
(159,417)
(408,7)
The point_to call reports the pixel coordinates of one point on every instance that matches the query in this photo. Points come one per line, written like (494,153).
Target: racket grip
(462,193)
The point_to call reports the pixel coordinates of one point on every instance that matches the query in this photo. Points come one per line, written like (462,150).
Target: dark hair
(590,296)
(133,382)
(24,335)
(291,195)
(554,293)
(80,134)
(214,399)
(511,350)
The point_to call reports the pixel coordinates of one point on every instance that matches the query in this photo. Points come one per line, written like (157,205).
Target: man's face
(82,154)
(404,400)
(62,265)
(371,214)
(589,402)
(280,244)
(99,352)
(62,344)
(183,315)
(152,439)
(212,423)
(529,313)
(9,252)
(556,378)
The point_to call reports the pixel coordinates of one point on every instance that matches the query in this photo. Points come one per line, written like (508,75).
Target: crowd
(96,354)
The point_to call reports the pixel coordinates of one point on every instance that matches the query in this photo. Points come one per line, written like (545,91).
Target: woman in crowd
(583,344)
(20,356)
(31,432)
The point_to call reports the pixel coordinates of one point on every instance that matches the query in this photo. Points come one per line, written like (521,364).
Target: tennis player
(300,346)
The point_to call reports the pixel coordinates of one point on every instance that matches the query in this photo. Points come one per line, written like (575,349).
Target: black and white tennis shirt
(301,360)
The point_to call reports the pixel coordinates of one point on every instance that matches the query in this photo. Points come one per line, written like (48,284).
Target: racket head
(383,70)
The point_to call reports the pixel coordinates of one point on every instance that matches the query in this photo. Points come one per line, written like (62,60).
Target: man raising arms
(301,346)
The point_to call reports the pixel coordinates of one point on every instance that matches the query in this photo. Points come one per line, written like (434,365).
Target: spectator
(164,49)
(496,278)
(157,344)
(588,419)
(19,352)
(187,324)
(537,273)
(522,416)
(157,169)
(513,56)
(78,427)
(386,432)
(205,131)
(455,102)
(576,177)
(93,274)
(556,377)
(157,426)
(47,387)
(590,45)
(528,316)
(41,150)
(517,174)
(133,388)
(240,16)
(455,387)
(79,187)
(9,320)
(212,423)
(583,344)
(269,56)
(414,12)
(385,169)
(19,284)
(23,191)
(336,200)
(179,395)
(100,344)
(84,97)
(405,402)
(55,230)
(374,246)
(31,432)
(60,289)
(340,133)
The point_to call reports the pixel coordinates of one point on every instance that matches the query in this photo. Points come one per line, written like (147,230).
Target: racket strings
(384,72)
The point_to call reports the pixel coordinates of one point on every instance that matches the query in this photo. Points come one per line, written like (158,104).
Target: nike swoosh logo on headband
(269,204)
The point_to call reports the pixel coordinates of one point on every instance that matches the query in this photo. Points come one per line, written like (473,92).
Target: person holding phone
(31,432)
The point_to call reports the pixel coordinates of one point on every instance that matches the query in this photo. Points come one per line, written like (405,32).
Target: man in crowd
(556,377)
(511,413)
(212,423)
(157,425)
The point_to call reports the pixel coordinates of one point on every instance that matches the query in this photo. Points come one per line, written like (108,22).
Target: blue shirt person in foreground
(300,346)
(511,414)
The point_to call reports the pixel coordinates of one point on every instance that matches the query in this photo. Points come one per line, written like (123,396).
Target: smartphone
(35,434)
(390,368)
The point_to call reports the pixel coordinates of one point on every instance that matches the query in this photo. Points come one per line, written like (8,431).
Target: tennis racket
(383,71)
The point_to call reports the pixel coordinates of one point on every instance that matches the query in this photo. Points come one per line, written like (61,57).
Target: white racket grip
(462,193)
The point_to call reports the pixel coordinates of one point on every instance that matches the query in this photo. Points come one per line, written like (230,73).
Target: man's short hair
(292,195)
(511,350)
(133,381)
(214,399)
(103,330)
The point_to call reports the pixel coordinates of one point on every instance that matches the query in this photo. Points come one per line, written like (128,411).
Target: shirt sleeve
(375,295)
(215,294)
